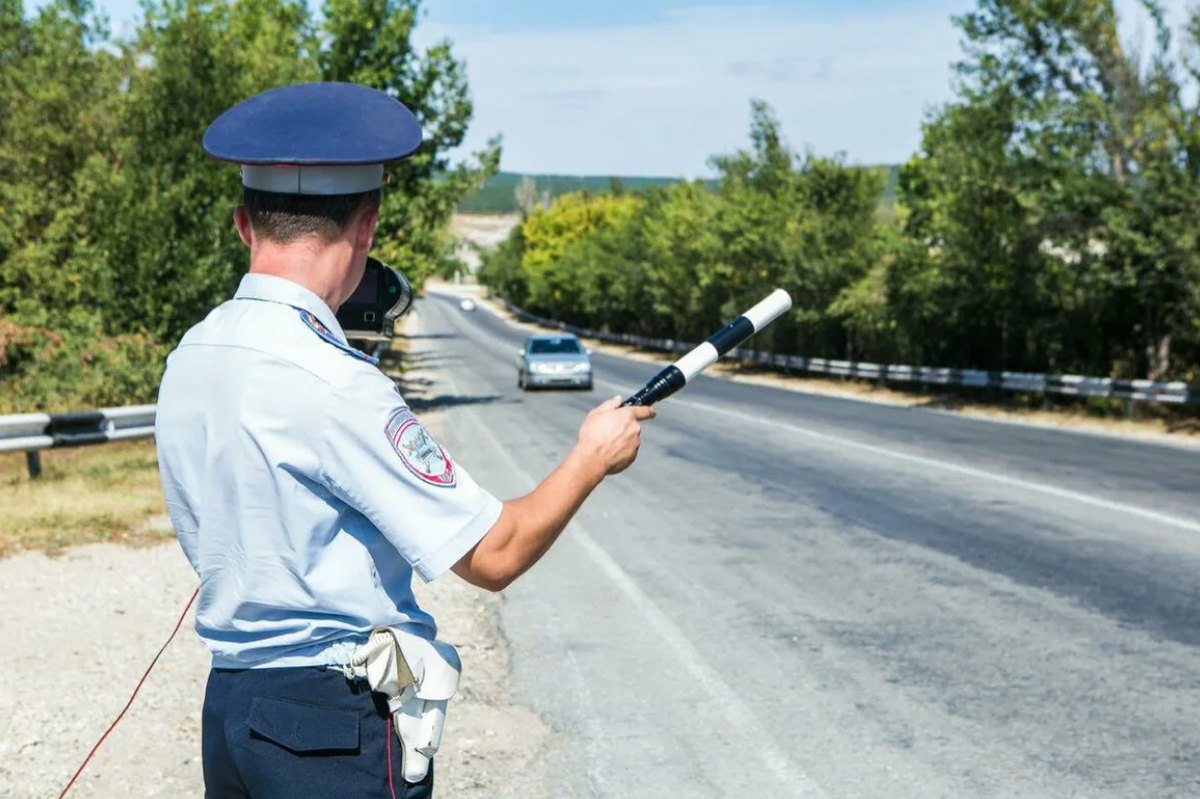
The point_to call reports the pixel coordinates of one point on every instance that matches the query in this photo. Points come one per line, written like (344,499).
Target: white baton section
(764,313)
(697,360)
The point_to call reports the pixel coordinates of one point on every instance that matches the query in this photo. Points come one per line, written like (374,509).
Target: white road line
(1060,493)
(732,706)
(757,735)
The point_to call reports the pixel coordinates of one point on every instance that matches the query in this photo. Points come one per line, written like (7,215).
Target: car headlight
(583,367)
(540,368)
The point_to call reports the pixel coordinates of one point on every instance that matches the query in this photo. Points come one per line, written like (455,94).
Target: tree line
(115,227)
(1047,223)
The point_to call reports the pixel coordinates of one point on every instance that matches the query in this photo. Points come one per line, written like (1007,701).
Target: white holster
(418,677)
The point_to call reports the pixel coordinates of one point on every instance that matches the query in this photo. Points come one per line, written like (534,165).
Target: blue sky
(654,87)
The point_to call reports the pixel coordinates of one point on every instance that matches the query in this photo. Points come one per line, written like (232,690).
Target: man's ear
(241,218)
(365,230)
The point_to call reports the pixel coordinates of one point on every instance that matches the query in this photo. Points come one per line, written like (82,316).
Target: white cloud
(660,98)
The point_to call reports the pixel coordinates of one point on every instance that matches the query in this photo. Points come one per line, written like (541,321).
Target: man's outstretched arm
(607,444)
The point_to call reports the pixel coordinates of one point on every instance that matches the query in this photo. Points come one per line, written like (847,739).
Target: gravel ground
(80,629)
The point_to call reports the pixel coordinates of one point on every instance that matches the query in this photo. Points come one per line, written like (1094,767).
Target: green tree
(806,224)
(680,251)
(168,250)
(556,286)
(370,43)
(115,227)
(59,112)
(171,252)
(680,260)
(1058,196)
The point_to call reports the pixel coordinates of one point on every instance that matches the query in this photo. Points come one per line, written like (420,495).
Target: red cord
(391,783)
(133,696)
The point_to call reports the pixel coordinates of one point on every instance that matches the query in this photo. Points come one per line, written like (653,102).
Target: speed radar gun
(677,375)
(382,296)
(418,677)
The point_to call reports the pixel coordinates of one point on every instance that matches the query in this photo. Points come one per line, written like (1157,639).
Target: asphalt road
(791,595)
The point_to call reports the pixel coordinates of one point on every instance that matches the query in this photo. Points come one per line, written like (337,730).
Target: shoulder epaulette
(314,324)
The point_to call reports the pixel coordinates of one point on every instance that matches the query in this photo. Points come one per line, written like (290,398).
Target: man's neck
(319,267)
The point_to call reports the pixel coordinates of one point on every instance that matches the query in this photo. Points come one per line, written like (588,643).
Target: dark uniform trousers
(296,733)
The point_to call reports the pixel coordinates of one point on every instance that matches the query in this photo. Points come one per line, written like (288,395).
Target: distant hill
(498,196)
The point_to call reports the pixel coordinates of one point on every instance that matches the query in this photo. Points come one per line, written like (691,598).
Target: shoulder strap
(314,324)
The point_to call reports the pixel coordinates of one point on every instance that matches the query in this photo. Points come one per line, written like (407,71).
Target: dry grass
(84,495)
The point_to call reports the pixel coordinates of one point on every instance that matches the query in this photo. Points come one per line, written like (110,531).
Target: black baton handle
(661,386)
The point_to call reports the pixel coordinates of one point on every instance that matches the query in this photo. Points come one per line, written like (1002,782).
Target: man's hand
(612,434)
(608,442)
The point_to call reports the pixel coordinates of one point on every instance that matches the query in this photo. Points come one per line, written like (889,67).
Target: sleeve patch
(418,450)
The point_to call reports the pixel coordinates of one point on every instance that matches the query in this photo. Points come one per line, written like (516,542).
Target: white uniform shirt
(302,488)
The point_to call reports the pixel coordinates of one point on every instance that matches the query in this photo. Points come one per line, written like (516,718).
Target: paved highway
(801,596)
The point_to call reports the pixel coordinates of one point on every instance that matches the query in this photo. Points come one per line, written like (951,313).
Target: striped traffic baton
(677,375)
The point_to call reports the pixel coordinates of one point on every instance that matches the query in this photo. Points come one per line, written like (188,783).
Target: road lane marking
(967,471)
(734,710)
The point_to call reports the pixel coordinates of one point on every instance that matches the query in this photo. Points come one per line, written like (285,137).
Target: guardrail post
(33,459)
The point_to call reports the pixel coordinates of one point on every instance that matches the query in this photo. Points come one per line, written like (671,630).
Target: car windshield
(553,346)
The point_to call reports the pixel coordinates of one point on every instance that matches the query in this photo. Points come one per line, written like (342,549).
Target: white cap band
(289,179)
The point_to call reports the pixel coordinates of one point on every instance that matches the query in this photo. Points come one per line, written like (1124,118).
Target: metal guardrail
(1177,393)
(32,432)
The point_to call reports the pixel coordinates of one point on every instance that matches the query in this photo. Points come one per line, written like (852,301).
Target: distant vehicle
(467,305)
(554,359)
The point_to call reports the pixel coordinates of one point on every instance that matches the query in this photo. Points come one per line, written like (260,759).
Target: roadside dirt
(476,232)
(81,628)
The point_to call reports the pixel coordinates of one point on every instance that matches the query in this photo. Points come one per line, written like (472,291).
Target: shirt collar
(270,288)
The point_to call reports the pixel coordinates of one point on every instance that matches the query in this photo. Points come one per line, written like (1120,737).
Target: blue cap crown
(314,138)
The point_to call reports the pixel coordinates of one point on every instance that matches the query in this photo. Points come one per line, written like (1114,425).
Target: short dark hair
(283,218)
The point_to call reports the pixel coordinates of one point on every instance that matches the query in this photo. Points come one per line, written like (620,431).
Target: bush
(76,367)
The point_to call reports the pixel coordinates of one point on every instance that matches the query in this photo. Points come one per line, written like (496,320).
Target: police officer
(302,489)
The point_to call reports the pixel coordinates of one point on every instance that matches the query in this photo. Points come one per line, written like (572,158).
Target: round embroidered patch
(423,456)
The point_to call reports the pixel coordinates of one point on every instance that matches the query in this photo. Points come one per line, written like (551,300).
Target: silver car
(554,359)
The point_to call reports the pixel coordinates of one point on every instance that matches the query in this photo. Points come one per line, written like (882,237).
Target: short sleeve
(378,458)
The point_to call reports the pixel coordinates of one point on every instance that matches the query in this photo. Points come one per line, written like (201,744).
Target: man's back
(259,414)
